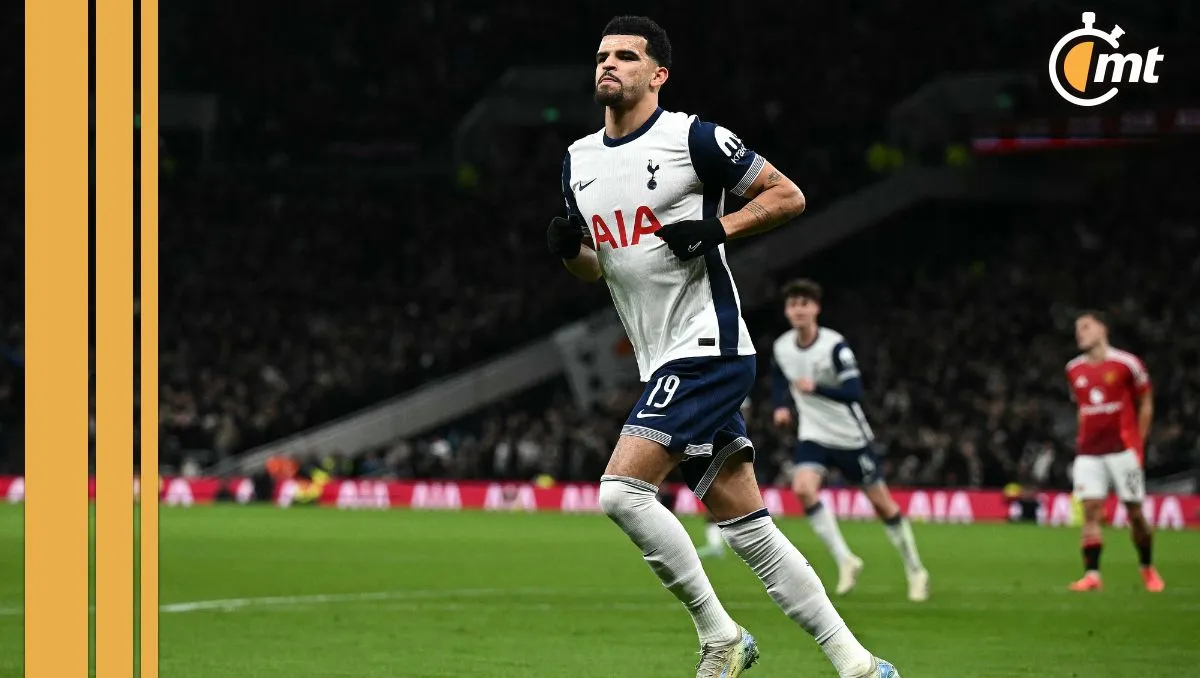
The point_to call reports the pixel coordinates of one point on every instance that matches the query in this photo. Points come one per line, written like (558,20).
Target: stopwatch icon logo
(1083,66)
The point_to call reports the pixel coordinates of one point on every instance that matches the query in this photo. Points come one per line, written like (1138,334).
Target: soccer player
(815,368)
(649,190)
(1112,391)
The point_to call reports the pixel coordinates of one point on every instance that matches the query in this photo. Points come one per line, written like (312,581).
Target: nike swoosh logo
(580,186)
(642,415)
(693,248)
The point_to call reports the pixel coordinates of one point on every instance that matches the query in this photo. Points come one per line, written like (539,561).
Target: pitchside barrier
(932,505)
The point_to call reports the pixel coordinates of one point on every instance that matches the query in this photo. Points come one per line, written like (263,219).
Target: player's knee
(1134,511)
(806,486)
(612,497)
(620,498)
(807,496)
(805,490)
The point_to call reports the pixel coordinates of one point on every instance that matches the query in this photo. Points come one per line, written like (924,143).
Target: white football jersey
(673,168)
(829,362)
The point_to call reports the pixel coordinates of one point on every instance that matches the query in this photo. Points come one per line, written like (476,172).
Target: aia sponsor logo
(620,232)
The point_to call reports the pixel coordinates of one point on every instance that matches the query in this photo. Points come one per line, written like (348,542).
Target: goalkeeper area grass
(261,591)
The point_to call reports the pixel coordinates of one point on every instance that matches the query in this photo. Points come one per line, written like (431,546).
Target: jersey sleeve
(720,157)
(846,369)
(1139,377)
(567,193)
(844,362)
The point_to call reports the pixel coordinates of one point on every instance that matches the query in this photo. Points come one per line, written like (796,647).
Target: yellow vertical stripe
(149,335)
(114,338)
(56,337)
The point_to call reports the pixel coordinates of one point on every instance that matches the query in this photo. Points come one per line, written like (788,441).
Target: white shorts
(1095,476)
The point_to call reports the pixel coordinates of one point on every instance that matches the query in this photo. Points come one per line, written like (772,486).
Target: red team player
(1112,390)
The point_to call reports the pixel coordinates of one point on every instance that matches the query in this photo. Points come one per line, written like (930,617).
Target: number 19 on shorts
(668,383)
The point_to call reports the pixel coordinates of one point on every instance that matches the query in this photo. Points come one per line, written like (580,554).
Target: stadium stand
(295,300)
(963,326)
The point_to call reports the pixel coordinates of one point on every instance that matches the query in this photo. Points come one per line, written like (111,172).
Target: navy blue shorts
(860,467)
(693,406)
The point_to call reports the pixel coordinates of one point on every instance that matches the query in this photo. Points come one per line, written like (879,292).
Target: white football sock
(712,533)
(668,550)
(900,533)
(797,590)
(825,524)
(848,655)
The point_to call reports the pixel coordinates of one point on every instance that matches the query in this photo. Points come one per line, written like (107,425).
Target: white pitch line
(234,604)
(952,598)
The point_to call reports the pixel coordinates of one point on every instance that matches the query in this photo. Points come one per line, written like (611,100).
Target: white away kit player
(816,370)
(649,190)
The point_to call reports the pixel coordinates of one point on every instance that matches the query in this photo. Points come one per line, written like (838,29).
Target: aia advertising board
(937,505)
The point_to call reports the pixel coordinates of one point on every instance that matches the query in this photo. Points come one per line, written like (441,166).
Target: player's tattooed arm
(774,199)
(763,213)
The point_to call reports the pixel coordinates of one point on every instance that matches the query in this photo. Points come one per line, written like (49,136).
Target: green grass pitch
(260,591)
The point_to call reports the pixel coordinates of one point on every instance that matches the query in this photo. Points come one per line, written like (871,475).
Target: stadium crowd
(285,338)
(963,331)
(290,300)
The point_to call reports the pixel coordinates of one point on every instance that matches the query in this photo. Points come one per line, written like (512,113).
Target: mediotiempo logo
(1083,65)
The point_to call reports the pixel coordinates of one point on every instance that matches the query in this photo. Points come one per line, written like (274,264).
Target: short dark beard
(613,97)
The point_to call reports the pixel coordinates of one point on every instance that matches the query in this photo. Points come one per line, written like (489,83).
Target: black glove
(565,236)
(691,239)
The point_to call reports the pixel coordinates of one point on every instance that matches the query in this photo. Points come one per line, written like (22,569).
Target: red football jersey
(1106,393)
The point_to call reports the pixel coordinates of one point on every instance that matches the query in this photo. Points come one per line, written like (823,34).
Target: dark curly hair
(658,45)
